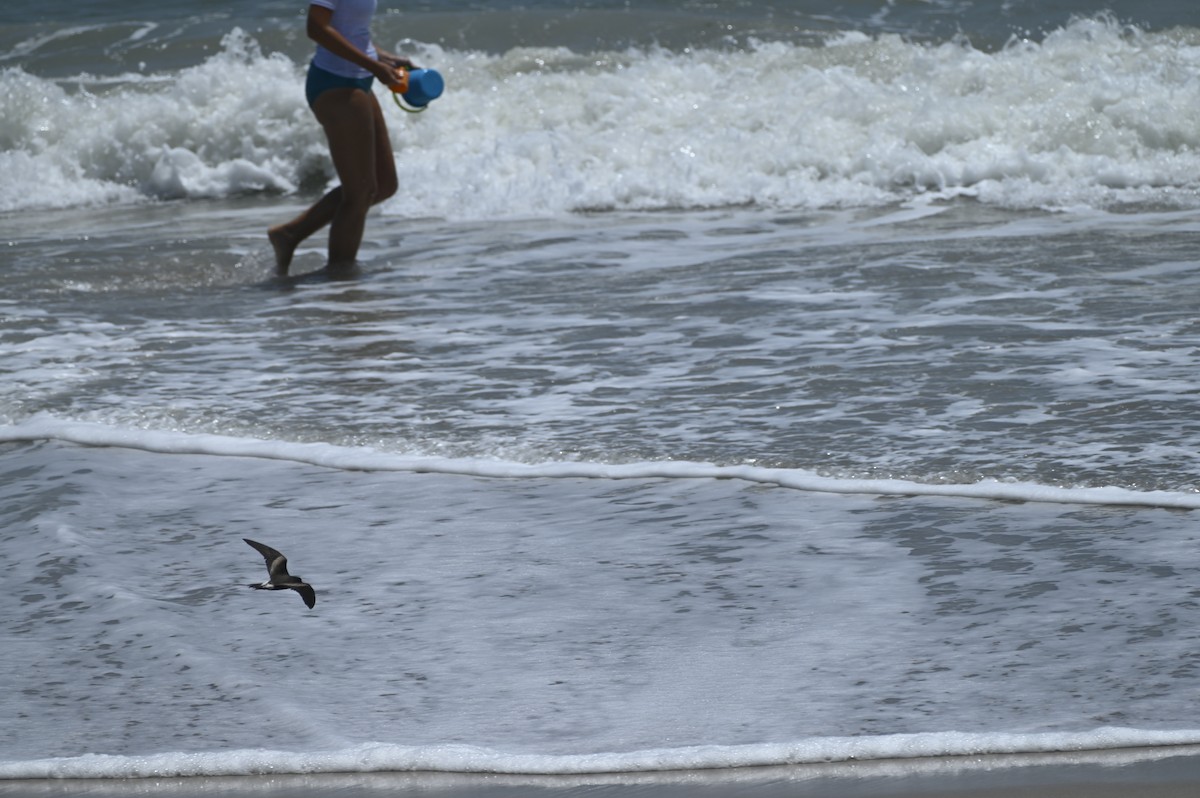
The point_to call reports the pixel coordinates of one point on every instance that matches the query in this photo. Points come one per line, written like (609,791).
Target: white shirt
(352,19)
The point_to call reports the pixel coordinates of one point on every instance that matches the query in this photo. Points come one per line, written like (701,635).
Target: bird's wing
(267,552)
(277,568)
(307,593)
(276,562)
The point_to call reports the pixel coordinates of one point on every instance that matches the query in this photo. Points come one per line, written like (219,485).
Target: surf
(345,458)
(1095,114)
(465,759)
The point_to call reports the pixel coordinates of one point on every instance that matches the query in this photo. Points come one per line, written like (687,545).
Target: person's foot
(342,271)
(284,246)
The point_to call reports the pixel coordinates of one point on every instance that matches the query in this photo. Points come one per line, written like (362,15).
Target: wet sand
(1146,773)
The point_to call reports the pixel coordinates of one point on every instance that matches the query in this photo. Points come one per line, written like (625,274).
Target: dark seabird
(280,579)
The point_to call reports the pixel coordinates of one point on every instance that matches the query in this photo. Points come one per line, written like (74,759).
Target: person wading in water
(339,92)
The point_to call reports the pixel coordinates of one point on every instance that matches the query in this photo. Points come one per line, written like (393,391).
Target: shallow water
(952,344)
(848,414)
(567,616)
(620,488)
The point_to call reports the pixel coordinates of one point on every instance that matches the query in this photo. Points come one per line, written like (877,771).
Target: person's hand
(388,74)
(398,62)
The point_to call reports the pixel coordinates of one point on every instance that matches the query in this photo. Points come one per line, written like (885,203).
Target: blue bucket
(424,86)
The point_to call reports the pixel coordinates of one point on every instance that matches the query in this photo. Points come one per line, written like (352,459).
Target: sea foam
(1094,114)
(223,127)
(382,757)
(43,427)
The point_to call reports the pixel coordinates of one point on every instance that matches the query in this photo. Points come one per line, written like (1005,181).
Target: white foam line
(386,757)
(361,459)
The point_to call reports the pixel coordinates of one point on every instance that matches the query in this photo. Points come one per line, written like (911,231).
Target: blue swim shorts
(320,80)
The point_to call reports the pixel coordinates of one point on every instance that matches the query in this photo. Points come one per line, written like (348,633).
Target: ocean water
(728,385)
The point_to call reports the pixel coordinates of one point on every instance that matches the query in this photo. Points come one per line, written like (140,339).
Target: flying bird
(279,578)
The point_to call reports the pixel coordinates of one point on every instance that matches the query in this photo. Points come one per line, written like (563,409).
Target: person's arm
(397,61)
(320,29)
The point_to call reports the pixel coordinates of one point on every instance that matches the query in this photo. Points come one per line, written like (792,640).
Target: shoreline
(1165,772)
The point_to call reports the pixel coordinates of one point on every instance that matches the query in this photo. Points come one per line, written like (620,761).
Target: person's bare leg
(345,114)
(286,237)
(386,184)
(348,116)
(386,181)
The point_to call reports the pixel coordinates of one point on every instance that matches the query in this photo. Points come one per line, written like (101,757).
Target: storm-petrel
(280,579)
